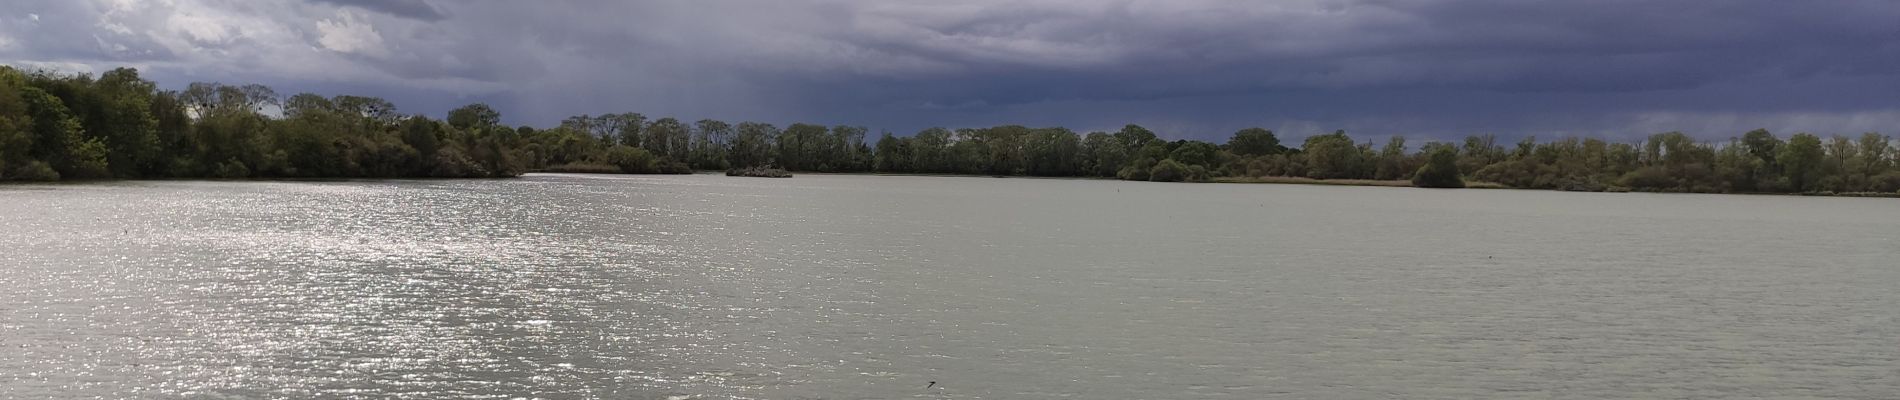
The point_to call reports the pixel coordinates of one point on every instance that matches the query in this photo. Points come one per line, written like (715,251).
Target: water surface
(577,286)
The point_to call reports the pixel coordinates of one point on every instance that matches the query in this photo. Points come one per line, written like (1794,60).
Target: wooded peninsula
(116,125)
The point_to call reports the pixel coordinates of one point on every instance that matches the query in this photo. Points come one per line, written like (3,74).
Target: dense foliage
(118,125)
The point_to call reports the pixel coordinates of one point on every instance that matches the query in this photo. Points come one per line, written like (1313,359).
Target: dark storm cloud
(1192,68)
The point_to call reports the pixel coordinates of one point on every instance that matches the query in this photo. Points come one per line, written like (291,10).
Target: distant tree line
(117,125)
(1668,162)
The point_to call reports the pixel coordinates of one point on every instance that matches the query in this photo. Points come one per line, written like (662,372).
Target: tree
(206,98)
(1392,160)
(473,116)
(1254,142)
(753,146)
(1333,156)
(56,135)
(374,109)
(666,138)
(1801,159)
(17,131)
(893,154)
(709,144)
(421,134)
(633,160)
(1765,146)
(1135,137)
(1194,153)
(930,151)
(1053,152)
(121,117)
(1440,170)
(304,105)
(798,146)
(1106,154)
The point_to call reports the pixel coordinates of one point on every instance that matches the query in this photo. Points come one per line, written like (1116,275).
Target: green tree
(1135,137)
(1801,160)
(1106,154)
(1392,163)
(753,146)
(1440,170)
(709,144)
(56,135)
(1333,156)
(1195,153)
(1254,142)
(474,116)
(1053,152)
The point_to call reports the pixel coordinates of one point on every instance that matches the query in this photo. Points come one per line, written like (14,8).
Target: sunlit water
(849,287)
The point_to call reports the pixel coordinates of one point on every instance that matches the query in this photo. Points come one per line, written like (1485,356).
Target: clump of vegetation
(1441,171)
(33,171)
(759,172)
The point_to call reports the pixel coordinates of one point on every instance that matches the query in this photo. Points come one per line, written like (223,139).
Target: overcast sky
(1185,68)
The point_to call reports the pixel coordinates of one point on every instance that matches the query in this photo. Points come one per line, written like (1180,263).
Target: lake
(858,287)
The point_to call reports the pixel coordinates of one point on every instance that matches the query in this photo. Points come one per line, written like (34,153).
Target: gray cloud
(416,9)
(1192,68)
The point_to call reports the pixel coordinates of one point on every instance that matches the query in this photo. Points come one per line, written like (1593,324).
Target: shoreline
(1268,180)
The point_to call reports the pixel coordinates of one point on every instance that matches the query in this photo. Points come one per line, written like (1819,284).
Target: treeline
(117,125)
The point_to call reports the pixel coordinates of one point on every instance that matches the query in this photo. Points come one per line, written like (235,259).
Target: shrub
(1651,178)
(451,163)
(675,167)
(1168,171)
(1887,182)
(633,160)
(34,171)
(232,169)
(89,161)
(1441,171)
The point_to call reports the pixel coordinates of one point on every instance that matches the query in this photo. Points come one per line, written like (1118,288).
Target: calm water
(859,287)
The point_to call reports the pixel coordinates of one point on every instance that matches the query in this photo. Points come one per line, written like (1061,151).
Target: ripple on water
(687,287)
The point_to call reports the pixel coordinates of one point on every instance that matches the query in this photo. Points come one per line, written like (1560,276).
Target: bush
(451,163)
(1441,171)
(232,169)
(675,167)
(1198,173)
(1168,171)
(1887,182)
(34,171)
(1258,168)
(1137,171)
(633,160)
(1651,178)
(1580,185)
(89,161)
